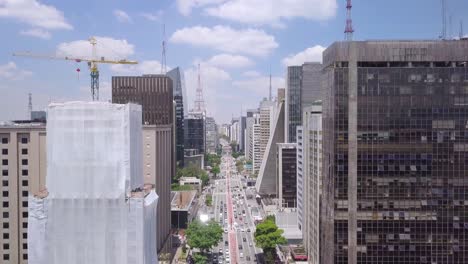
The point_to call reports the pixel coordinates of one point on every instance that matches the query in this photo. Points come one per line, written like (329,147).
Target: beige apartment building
(23,170)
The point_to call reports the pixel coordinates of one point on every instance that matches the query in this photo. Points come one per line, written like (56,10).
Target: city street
(231,210)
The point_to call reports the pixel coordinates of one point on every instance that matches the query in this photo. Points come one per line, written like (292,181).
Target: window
(24,162)
(25,183)
(24,172)
(5,162)
(5,183)
(25,193)
(6,236)
(5,204)
(25,203)
(25,225)
(6,256)
(24,151)
(5,194)
(6,246)
(4,140)
(25,235)
(25,245)
(4,151)
(6,225)
(4,172)
(24,140)
(25,214)
(25,256)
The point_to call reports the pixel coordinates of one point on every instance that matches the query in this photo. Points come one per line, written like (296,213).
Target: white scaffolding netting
(94,161)
(94,149)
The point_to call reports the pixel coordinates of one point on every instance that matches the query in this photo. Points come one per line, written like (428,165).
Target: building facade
(211,135)
(180,98)
(23,171)
(153,92)
(255,152)
(158,170)
(195,136)
(286,175)
(309,169)
(311,84)
(394,167)
(293,102)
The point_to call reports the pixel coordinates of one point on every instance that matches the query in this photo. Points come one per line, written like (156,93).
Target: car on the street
(225,243)
(244,239)
(250,244)
(240,247)
(247,258)
(248,229)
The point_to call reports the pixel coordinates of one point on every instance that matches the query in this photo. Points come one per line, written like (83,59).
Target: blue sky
(235,41)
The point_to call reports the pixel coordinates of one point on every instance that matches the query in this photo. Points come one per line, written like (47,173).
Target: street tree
(204,236)
(199,258)
(215,170)
(267,235)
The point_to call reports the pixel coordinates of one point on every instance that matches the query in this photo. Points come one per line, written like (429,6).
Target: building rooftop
(182,200)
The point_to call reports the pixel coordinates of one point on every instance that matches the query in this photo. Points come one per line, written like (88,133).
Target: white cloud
(145,67)
(224,38)
(261,84)
(36,32)
(185,6)
(225,60)
(122,16)
(105,47)
(34,13)
(251,74)
(10,71)
(213,80)
(157,16)
(311,54)
(273,12)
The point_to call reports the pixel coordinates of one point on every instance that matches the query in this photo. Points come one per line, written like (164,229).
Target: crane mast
(92,64)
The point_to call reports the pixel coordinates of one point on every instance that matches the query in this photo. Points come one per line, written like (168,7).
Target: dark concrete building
(152,92)
(286,175)
(195,132)
(293,112)
(395,180)
(180,98)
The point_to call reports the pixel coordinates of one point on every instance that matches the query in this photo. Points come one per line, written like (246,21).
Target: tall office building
(180,98)
(153,92)
(211,135)
(286,175)
(255,152)
(195,136)
(267,114)
(23,171)
(309,167)
(266,183)
(395,154)
(250,122)
(234,131)
(311,85)
(293,102)
(241,132)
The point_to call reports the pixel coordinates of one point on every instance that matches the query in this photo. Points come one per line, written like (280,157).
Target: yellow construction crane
(92,64)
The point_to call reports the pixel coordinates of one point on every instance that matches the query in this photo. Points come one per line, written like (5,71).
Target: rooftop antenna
(349,22)
(163,55)
(199,101)
(443,35)
(269,95)
(29,105)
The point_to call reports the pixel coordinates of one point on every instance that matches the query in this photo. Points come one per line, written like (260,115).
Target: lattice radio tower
(199,101)
(349,22)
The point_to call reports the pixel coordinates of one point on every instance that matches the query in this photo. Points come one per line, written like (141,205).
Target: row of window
(23,162)
(6,204)
(7,256)
(24,140)
(23,172)
(23,182)
(7,246)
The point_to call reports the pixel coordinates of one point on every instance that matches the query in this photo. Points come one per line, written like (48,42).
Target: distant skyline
(235,41)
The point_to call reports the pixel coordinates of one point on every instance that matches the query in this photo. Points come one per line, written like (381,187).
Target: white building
(309,171)
(255,148)
(98,213)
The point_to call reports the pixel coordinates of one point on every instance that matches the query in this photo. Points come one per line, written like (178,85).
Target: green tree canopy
(204,236)
(212,159)
(199,258)
(215,170)
(192,171)
(267,235)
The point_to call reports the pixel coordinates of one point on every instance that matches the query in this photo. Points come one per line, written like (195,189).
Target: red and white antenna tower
(349,22)
(163,55)
(199,101)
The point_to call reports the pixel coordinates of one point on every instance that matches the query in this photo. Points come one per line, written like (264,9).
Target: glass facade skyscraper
(293,102)
(395,179)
